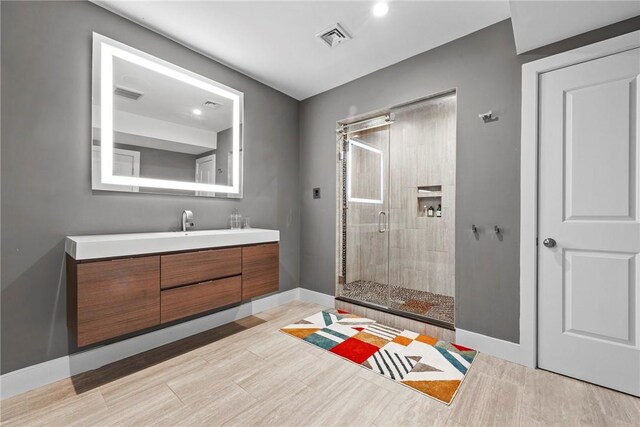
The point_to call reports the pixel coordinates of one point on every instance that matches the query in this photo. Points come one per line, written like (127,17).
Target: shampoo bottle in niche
(430,211)
(439,211)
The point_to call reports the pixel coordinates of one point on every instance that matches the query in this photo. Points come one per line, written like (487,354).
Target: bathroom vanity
(123,283)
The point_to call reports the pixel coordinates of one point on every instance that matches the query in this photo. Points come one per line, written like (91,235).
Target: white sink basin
(116,245)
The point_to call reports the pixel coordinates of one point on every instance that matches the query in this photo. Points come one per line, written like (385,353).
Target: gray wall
(486,72)
(46,153)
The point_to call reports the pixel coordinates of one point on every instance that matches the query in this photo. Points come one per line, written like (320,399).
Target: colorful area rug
(426,364)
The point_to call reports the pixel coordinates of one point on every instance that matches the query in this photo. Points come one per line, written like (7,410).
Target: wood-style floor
(248,373)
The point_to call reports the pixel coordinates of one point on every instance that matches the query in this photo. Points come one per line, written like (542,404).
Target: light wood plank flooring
(248,373)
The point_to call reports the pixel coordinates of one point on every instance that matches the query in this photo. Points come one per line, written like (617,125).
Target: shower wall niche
(396,219)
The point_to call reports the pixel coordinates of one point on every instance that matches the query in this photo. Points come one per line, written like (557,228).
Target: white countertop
(117,245)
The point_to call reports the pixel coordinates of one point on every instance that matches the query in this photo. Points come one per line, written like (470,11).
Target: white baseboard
(35,376)
(317,297)
(31,377)
(506,350)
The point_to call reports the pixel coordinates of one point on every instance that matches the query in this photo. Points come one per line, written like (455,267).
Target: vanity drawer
(194,267)
(193,299)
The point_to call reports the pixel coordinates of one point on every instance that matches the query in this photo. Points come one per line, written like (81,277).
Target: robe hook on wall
(488,117)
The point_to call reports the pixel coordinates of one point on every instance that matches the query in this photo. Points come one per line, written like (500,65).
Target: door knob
(549,242)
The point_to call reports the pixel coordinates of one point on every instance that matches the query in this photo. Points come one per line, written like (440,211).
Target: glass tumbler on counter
(235,220)
(247,222)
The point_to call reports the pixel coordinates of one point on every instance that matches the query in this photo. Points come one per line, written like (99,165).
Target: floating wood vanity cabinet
(109,296)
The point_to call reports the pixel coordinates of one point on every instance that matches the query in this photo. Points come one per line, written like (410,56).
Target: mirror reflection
(167,130)
(365,177)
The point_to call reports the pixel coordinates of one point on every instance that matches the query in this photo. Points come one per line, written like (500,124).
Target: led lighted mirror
(159,128)
(365,177)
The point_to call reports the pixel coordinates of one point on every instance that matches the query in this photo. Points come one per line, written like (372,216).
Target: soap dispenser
(430,211)
(439,211)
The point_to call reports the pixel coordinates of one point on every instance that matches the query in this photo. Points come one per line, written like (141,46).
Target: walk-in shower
(396,210)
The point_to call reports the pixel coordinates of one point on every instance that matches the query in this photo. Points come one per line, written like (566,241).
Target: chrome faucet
(187,220)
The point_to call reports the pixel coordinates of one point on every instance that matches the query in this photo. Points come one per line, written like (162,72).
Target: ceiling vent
(212,104)
(125,92)
(334,35)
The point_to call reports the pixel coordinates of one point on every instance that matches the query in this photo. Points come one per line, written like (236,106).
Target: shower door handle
(382,222)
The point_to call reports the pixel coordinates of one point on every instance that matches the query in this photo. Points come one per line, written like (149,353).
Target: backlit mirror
(158,128)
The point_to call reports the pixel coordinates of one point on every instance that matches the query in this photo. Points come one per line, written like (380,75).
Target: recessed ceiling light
(380,8)
(197,112)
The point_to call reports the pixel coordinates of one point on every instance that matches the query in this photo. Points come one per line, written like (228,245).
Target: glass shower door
(366,255)
(422,202)
(402,262)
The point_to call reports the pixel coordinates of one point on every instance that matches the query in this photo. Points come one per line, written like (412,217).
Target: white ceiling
(539,23)
(274,41)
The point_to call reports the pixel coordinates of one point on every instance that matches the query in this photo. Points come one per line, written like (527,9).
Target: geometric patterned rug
(433,367)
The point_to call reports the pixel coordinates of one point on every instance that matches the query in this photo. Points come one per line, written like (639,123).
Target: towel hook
(486,117)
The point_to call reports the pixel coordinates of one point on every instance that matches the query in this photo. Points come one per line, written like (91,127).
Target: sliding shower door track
(412,316)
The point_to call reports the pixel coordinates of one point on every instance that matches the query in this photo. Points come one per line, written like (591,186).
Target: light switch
(316,193)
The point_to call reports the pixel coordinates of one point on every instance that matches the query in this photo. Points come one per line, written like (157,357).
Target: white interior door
(206,173)
(588,297)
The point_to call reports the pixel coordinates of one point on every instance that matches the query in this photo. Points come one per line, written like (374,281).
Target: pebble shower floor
(423,303)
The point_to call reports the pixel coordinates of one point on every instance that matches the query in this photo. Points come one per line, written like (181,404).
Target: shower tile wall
(422,153)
